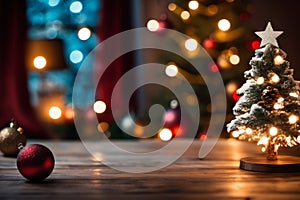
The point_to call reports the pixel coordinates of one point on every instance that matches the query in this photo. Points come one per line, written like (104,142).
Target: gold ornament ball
(10,139)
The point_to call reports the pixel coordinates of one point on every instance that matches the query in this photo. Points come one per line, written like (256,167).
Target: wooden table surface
(78,176)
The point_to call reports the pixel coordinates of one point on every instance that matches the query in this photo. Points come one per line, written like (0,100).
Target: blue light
(76,56)
(53,3)
(76,7)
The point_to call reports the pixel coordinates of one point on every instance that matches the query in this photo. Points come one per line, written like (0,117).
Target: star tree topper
(269,35)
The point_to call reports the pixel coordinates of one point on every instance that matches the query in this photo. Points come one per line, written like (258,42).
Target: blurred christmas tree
(221,27)
(72,23)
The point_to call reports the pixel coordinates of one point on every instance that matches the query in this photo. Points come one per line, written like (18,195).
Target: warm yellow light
(185,15)
(165,134)
(248,131)
(234,59)
(278,106)
(172,6)
(293,119)
(280,100)
(263,140)
(224,25)
(39,62)
(84,33)
(69,113)
(152,25)
(263,149)
(278,60)
(235,134)
(55,112)
(102,127)
(298,139)
(260,80)
(275,78)
(171,70)
(191,44)
(212,9)
(193,5)
(99,107)
(293,94)
(273,131)
(231,87)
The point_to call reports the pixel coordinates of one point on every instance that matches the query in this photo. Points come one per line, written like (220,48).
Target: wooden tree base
(261,164)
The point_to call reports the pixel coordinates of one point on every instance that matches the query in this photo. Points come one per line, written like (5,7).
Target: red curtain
(14,100)
(116,16)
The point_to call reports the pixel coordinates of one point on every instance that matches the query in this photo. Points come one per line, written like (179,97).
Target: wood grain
(78,176)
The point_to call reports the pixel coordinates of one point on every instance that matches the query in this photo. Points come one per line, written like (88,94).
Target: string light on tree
(273,131)
(278,60)
(260,80)
(293,119)
(275,78)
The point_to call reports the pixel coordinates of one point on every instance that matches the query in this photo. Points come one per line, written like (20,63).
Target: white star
(268,36)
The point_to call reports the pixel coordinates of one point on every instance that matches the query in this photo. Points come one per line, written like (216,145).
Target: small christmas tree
(269,108)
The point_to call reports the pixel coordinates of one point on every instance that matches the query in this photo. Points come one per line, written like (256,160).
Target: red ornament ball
(35,162)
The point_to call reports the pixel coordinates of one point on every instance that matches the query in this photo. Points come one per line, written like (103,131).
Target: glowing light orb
(39,62)
(84,33)
(165,134)
(171,70)
(76,56)
(293,119)
(191,44)
(76,7)
(273,131)
(260,80)
(275,78)
(185,15)
(234,59)
(152,25)
(193,5)
(278,60)
(55,112)
(224,25)
(99,107)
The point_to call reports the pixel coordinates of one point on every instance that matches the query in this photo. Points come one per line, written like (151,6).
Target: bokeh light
(172,6)
(76,7)
(153,25)
(193,5)
(99,107)
(55,112)
(191,44)
(234,59)
(165,134)
(185,15)
(171,70)
(224,25)
(76,56)
(39,62)
(84,33)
